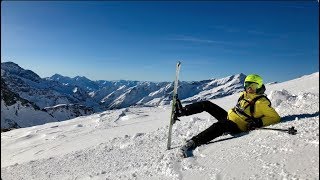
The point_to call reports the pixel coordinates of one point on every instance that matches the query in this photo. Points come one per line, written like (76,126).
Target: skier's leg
(213,109)
(215,130)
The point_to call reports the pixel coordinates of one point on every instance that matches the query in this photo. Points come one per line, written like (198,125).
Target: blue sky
(141,40)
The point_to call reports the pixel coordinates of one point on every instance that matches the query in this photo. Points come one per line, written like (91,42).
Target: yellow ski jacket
(262,110)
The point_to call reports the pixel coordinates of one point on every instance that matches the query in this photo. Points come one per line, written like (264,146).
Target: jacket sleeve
(270,116)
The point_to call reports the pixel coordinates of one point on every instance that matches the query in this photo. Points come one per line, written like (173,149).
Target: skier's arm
(270,116)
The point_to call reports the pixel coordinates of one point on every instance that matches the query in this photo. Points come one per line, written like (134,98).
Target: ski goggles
(251,85)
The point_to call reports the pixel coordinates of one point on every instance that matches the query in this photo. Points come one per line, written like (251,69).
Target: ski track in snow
(130,143)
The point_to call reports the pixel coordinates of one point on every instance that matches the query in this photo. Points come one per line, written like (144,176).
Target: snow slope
(130,143)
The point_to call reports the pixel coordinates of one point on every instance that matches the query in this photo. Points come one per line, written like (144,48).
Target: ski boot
(179,110)
(186,150)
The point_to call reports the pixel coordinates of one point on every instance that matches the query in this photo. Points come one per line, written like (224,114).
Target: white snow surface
(130,143)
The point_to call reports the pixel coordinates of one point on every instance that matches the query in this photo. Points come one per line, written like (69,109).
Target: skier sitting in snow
(253,110)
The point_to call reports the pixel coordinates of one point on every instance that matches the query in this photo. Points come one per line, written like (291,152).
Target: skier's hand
(254,123)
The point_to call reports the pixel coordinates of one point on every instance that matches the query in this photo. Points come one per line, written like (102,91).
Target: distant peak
(236,76)
(15,69)
(77,78)
(57,75)
(241,76)
(10,63)
(11,67)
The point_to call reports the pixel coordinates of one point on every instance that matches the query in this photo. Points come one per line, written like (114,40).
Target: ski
(174,100)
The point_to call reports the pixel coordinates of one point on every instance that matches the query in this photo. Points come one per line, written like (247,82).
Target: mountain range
(27,99)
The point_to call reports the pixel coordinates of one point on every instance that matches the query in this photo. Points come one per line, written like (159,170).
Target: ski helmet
(255,79)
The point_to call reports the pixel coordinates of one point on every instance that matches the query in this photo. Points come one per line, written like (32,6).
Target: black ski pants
(216,129)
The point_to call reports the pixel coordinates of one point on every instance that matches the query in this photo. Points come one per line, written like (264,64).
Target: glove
(254,123)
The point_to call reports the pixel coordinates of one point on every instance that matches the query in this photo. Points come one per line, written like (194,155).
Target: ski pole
(290,130)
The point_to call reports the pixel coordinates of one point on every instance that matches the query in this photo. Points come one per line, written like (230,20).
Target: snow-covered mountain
(35,89)
(121,94)
(61,96)
(78,81)
(130,143)
(36,99)
(17,112)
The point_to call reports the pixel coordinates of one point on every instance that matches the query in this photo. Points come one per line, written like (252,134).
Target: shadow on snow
(300,116)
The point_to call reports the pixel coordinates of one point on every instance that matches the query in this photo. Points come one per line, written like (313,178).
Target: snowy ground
(131,144)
